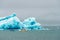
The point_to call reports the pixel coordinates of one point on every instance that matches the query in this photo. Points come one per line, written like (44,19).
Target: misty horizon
(46,12)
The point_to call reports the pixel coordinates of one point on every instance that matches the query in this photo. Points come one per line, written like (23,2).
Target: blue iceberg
(31,24)
(12,22)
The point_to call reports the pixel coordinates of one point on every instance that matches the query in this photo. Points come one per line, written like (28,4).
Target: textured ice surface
(31,24)
(12,22)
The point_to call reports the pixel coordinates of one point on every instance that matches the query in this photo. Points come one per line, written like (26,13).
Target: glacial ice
(11,22)
(31,24)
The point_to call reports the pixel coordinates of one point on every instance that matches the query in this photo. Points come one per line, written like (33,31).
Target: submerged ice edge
(12,22)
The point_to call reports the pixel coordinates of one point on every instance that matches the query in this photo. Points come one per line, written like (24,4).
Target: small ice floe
(12,22)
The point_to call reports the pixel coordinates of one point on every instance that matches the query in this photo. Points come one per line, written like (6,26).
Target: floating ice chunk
(10,22)
(31,24)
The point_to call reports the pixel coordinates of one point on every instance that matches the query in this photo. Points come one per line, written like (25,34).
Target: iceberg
(31,24)
(12,22)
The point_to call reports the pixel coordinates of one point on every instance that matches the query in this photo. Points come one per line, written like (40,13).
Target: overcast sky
(47,12)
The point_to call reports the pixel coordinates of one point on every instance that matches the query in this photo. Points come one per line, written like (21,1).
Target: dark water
(31,35)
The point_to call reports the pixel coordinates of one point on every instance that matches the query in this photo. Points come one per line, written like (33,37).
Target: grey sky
(47,12)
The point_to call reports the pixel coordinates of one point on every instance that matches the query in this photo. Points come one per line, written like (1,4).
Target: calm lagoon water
(31,35)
